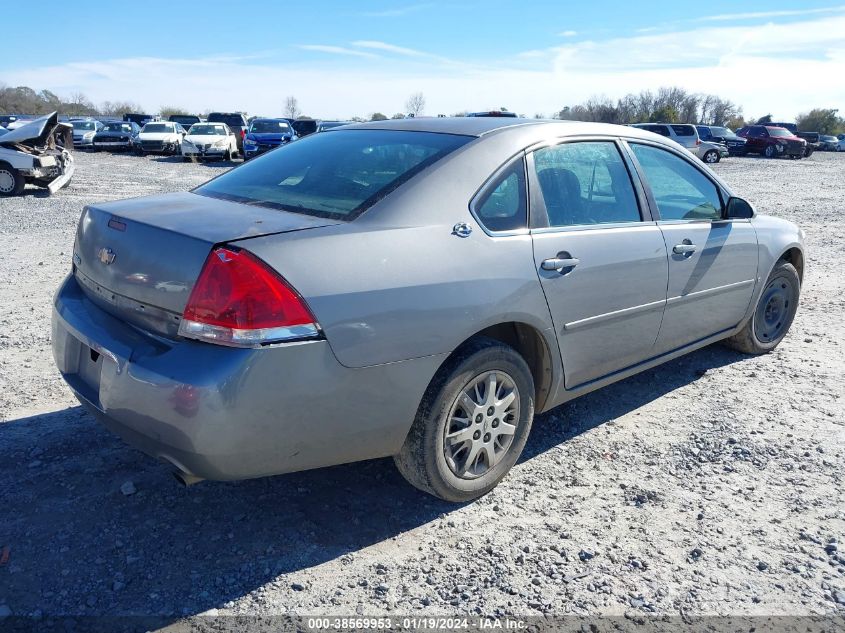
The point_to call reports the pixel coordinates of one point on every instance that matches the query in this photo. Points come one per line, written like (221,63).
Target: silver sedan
(416,288)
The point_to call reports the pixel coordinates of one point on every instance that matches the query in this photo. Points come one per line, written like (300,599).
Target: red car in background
(771,141)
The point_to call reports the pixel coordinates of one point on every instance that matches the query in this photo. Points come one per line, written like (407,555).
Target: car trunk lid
(138,259)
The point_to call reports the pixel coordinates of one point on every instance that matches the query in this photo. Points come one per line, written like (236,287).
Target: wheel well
(531,345)
(794,257)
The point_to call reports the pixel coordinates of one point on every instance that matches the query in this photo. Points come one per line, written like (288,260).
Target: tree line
(666,105)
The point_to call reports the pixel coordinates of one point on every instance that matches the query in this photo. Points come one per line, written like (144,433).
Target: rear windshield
(338,175)
(232,120)
(684,130)
(184,119)
(84,125)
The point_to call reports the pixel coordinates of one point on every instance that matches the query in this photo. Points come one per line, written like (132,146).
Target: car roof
(534,130)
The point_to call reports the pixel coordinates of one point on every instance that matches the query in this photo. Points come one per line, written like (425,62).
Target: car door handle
(684,249)
(558,263)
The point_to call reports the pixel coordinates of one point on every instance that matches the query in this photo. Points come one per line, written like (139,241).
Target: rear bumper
(226,413)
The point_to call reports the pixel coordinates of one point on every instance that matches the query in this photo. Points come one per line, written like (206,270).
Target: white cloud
(389,48)
(568,33)
(779,68)
(756,15)
(335,50)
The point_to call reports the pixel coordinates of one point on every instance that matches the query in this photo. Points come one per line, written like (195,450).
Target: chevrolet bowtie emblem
(106,256)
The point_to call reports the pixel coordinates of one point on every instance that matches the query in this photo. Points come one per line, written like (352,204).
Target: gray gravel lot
(711,485)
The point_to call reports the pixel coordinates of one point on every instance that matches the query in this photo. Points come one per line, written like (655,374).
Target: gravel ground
(711,485)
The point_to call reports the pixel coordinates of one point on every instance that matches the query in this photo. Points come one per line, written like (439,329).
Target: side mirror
(738,209)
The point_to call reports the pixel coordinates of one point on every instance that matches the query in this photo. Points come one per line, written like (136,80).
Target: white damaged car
(209,140)
(37,153)
(161,137)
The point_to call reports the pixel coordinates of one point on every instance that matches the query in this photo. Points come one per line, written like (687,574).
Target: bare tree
(292,110)
(415,104)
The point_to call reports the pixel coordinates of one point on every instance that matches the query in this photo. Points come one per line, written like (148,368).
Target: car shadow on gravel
(594,409)
(82,540)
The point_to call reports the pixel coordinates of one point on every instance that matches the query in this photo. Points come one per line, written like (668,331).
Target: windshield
(84,125)
(207,130)
(117,127)
(778,131)
(338,175)
(158,128)
(721,131)
(184,119)
(270,127)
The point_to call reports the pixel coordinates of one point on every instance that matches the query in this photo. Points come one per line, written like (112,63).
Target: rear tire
(490,424)
(770,151)
(711,157)
(773,314)
(11,181)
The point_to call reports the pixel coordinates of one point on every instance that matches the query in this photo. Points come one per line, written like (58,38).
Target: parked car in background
(840,146)
(355,295)
(682,133)
(827,143)
(266,134)
(140,119)
(209,140)
(161,137)
(304,127)
(723,135)
(322,126)
(711,152)
(812,139)
(772,142)
(84,131)
(117,135)
(237,123)
(37,153)
(185,120)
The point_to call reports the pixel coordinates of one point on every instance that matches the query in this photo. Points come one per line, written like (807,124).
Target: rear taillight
(238,300)
(697,142)
(243,132)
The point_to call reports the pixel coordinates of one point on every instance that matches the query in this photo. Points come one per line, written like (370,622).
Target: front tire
(773,313)
(472,423)
(12,183)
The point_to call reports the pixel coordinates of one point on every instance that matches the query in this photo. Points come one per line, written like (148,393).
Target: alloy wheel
(481,424)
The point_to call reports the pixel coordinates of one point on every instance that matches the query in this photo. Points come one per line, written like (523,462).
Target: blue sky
(342,58)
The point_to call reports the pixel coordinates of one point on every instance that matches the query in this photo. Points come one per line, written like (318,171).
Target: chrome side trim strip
(709,292)
(617,314)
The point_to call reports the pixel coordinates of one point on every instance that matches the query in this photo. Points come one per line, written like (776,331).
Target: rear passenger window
(658,129)
(681,191)
(684,130)
(585,183)
(502,207)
